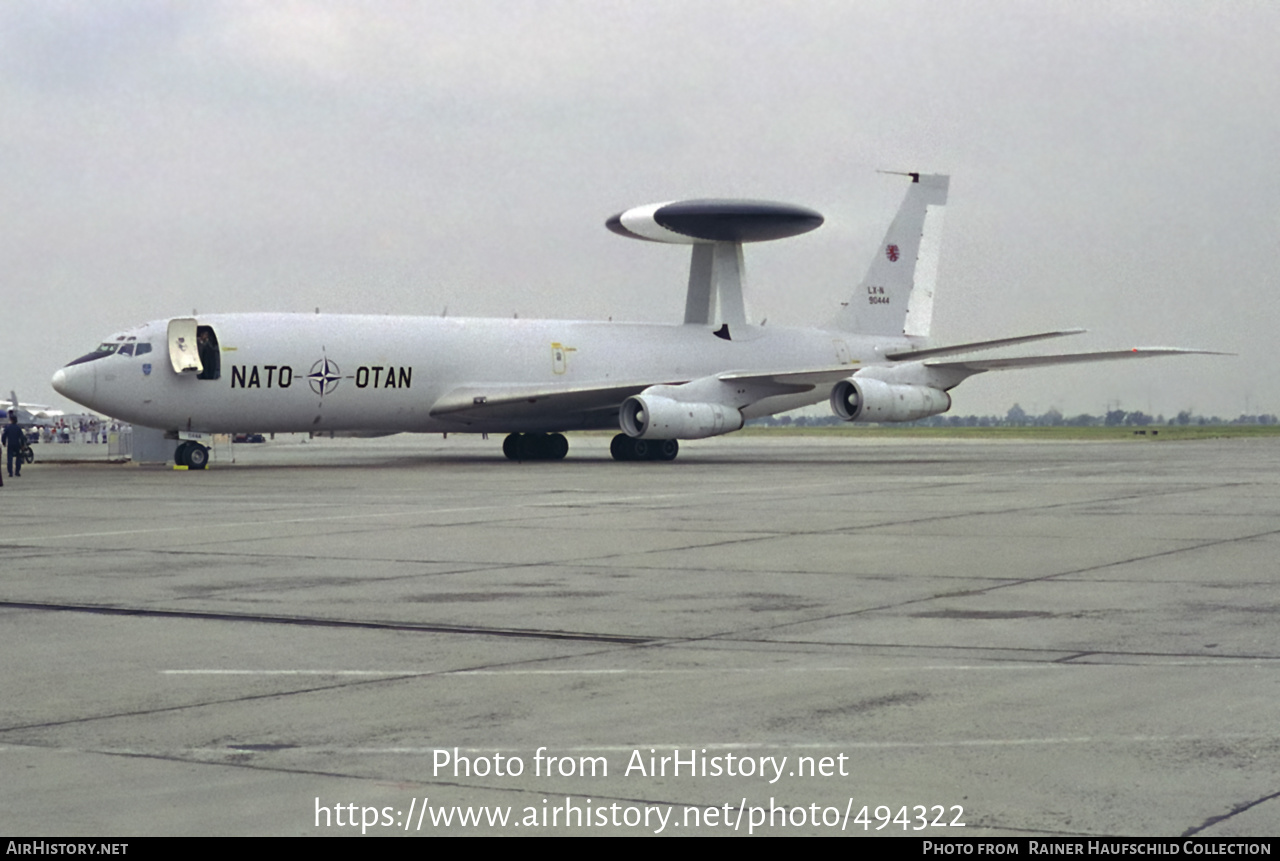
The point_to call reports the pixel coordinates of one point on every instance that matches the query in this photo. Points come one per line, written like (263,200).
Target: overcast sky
(1113,167)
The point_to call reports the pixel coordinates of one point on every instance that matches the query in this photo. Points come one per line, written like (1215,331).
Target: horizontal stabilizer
(977,366)
(974,346)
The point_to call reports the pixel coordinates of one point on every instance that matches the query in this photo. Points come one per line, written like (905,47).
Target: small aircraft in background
(31,414)
(536,379)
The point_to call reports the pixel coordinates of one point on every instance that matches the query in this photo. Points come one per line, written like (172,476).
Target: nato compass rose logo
(324,376)
(892,253)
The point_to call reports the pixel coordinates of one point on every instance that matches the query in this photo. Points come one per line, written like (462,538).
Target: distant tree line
(1018,417)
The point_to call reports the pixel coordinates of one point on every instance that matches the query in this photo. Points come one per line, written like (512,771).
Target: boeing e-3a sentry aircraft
(535,379)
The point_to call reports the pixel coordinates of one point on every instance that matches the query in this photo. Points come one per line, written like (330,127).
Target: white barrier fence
(79,446)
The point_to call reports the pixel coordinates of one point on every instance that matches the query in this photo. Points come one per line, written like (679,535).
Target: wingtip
(1189,351)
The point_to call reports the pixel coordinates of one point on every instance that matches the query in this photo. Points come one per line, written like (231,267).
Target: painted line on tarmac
(1039,665)
(557,751)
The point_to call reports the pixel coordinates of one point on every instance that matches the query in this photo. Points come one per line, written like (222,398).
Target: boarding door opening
(193,349)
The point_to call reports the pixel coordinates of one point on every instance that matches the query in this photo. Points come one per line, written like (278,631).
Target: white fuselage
(320,372)
(657,383)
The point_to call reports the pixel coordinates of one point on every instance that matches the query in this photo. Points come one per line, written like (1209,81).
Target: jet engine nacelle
(867,400)
(655,417)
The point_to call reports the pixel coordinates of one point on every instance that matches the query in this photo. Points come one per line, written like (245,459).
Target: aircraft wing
(597,404)
(974,346)
(543,402)
(977,366)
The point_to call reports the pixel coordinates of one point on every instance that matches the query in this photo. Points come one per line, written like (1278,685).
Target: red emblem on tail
(892,253)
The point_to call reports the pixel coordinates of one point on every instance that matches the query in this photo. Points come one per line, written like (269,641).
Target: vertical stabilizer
(896,295)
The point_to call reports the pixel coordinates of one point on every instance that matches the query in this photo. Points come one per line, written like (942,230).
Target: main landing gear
(192,455)
(553,446)
(624,447)
(535,446)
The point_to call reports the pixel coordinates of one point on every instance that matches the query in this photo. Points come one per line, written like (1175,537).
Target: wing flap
(804,379)
(533,402)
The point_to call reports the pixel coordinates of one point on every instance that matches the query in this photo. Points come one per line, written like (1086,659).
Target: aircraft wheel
(620,447)
(197,456)
(180,454)
(511,446)
(623,447)
(535,446)
(559,446)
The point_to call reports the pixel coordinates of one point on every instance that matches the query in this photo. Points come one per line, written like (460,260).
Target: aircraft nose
(76,382)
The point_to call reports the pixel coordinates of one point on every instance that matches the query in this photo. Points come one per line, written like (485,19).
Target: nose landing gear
(192,455)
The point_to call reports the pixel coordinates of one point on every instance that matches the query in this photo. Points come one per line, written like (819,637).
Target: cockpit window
(143,347)
(104,349)
(126,350)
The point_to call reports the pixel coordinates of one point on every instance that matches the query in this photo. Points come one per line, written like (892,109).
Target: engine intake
(655,417)
(868,400)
